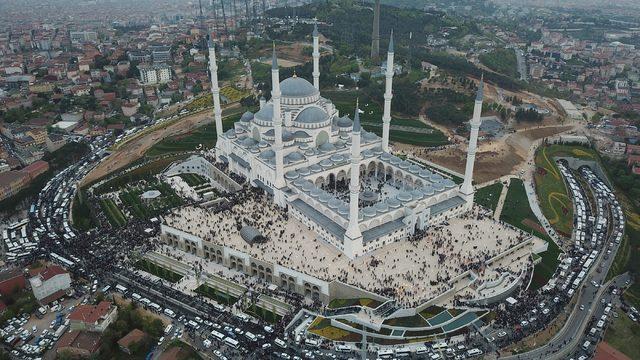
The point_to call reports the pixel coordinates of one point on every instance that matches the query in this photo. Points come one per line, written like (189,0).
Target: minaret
(467,186)
(388,94)
(277,120)
(375,35)
(215,91)
(316,58)
(353,234)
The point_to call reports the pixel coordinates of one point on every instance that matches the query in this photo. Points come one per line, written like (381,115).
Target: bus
(121,289)
(231,342)
(403,352)
(105,289)
(280,343)
(168,329)
(250,336)
(18,224)
(217,335)
(343,348)
(385,354)
(420,350)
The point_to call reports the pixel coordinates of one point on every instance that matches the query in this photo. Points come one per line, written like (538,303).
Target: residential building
(83,36)
(93,317)
(154,74)
(11,281)
(50,284)
(79,343)
(133,337)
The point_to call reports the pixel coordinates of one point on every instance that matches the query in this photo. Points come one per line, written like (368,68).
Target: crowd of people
(409,271)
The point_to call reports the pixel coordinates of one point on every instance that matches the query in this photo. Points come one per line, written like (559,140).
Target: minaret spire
(316,57)
(353,232)
(215,92)
(277,120)
(467,186)
(388,95)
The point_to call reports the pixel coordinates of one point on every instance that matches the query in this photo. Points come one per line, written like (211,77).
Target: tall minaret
(215,91)
(316,58)
(467,186)
(388,94)
(375,35)
(277,120)
(353,233)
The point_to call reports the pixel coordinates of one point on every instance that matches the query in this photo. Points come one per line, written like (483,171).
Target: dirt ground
(494,159)
(136,148)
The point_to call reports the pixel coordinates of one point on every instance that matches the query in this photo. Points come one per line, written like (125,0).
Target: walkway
(503,196)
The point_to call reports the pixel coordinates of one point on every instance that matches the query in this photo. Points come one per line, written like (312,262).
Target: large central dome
(297,87)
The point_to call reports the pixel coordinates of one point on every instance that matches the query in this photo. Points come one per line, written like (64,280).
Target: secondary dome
(312,115)
(265,114)
(297,87)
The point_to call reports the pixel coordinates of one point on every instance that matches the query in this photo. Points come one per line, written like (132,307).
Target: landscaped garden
(371,118)
(115,217)
(322,327)
(517,212)
(555,202)
(159,271)
(145,209)
(264,314)
(193,179)
(488,196)
(219,296)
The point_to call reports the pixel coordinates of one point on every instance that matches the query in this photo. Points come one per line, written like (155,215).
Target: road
(522,64)
(566,341)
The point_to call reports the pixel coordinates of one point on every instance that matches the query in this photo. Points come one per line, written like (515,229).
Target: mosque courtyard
(411,271)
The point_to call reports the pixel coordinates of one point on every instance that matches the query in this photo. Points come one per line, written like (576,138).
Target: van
(250,336)
(280,343)
(474,352)
(169,313)
(586,345)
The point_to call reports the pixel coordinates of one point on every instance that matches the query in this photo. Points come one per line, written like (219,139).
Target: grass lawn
(516,211)
(193,179)
(146,171)
(340,303)
(264,314)
(322,327)
(114,215)
(203,137)
(624,335)
(220,297)
(154,207)
(158,271)
(551,190)
(407,321)
(431,311)
(488,196)
(345,102)
(81,213)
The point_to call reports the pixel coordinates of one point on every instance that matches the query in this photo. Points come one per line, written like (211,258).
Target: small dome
(427,190)
(405,164)
(315,192)
(304,171)
(334,203)
(268,154)
(326,163)
(324,198)
(312,115)
(248,141)
(265,114)
(263,144)
(336,158)
(297,87)
(299,182)
(343,210)
(308,186)
(287,136)
(381,207)
(414,169)
(393,203)
(417,194)
(301,135)
(315,168)
(344,122)
(291,175)
(295,156)
(327,147)
(247,116)
(404,196)
(369,211)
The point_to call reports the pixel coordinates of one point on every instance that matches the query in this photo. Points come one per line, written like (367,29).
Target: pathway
(503,196)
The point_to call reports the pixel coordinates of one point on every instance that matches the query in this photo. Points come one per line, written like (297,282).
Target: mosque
(332,175)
